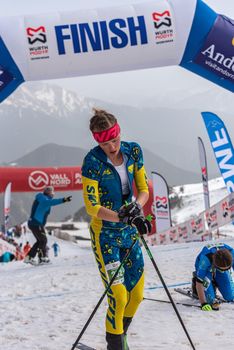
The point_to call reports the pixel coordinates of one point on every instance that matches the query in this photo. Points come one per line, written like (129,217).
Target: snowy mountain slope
(49,99)
(39,114)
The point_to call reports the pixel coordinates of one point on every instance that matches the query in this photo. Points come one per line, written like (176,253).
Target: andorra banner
(117,38)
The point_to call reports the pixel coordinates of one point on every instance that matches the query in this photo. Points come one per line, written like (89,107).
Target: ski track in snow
(45,307)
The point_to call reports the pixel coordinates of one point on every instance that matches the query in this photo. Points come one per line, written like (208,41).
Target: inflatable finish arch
(118,38)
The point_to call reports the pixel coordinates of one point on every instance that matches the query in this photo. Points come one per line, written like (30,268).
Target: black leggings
(41,240)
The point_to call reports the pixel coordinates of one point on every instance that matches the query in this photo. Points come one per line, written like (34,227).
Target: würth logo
(161,202)
(204,172)
(36,35)
(162,19)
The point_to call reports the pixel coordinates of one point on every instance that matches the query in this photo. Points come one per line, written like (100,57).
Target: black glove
(142,225)
(67,199)
(128,211)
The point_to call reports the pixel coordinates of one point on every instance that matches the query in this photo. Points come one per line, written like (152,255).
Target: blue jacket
(203,263)
(102,183)
(41,209)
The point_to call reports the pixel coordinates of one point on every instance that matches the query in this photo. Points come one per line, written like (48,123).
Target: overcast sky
(126,87)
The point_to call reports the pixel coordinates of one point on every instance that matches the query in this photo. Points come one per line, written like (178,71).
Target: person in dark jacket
(40,210)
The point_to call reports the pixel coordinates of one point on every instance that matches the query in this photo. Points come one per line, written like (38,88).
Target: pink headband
(108,134)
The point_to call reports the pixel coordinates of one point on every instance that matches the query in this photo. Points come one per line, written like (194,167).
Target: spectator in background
(7,257)
(40,210)
(26,248)
(56,248)
(19,255)
(17,231)
(24,229)
(10,232)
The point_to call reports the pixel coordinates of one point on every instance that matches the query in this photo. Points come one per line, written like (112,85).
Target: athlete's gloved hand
(128,211)
(209,307)
(67,199)
(142,225)
(206,307)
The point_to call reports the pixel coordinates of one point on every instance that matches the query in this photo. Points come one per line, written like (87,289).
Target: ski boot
(29,260)
(44,260)
(126,324)
(115,341)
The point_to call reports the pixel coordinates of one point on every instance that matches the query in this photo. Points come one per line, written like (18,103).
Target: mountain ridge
(59,155)
(39,113)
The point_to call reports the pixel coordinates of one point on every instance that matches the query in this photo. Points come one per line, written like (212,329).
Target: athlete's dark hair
(101,120)
(222,258)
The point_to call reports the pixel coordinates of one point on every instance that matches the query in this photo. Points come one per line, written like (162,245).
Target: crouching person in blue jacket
(39,213)
(213,267)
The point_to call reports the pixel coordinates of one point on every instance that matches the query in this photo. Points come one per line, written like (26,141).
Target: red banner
(35,179)
(62,179)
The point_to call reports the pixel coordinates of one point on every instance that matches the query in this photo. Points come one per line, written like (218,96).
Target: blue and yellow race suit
(212,277)
(110,241)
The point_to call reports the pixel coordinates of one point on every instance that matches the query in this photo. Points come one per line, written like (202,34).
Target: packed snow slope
(45,307)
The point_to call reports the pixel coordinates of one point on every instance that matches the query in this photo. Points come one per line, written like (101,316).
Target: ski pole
(167,291)
(103,295)
(168,302)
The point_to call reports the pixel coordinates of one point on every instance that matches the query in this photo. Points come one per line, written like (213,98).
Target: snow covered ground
(45,307)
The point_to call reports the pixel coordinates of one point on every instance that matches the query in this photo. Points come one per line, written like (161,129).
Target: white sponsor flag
(7,205)
(161,203)
(204,172)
